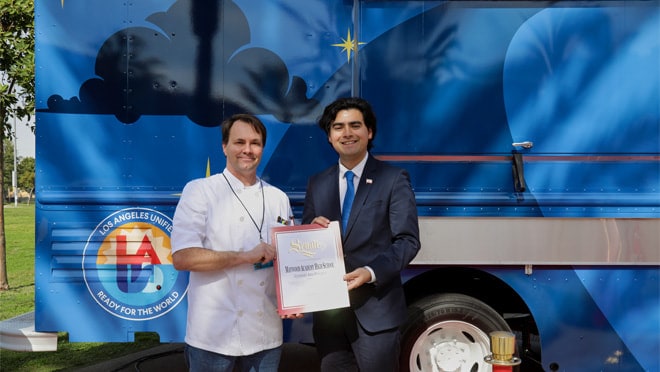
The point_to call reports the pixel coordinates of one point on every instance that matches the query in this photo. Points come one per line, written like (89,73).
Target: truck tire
(448,332)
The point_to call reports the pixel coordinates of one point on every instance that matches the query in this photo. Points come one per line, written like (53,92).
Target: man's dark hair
(330,113)
(254,121)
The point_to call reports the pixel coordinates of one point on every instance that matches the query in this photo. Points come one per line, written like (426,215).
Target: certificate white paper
(309,268)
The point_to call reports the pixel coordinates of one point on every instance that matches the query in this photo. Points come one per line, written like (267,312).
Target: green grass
(19,236)
(19,299)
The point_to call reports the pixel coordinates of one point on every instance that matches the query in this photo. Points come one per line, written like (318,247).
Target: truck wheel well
(471,282)
(489,289)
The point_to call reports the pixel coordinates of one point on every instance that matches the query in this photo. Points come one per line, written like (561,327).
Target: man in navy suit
(380,238)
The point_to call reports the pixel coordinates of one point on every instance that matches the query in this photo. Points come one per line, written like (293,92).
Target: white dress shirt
(357,171)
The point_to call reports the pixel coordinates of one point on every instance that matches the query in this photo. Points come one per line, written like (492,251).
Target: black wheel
(448,332)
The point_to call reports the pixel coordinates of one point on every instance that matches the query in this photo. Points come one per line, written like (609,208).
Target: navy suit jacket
(382,233)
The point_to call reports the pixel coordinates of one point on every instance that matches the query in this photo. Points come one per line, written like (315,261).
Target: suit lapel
(332,190)
(363,190)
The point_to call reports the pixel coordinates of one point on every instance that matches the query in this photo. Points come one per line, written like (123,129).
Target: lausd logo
(127,265)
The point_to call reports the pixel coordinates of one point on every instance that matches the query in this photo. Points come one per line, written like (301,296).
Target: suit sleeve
(309,210)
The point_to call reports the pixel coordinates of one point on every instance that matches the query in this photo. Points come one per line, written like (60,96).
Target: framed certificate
(309,268)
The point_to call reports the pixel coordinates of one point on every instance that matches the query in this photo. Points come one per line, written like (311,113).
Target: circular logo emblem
(127,265)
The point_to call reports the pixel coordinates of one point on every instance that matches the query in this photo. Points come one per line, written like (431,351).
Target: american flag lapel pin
(369,181)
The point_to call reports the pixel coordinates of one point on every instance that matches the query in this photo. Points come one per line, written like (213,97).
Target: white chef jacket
(231,311)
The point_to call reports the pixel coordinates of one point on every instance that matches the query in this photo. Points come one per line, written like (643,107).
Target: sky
(24,140)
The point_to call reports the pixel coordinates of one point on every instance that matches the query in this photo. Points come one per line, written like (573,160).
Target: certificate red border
(304,308)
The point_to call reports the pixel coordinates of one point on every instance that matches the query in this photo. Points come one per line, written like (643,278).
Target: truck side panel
(531,131)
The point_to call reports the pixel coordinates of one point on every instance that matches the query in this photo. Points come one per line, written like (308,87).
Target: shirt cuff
(373,275)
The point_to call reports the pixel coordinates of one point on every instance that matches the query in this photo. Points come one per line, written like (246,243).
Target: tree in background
(7,167)
(24,172)
(16,87)
(26,167)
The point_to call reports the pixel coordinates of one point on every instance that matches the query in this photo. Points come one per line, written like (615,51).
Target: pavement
(169,357)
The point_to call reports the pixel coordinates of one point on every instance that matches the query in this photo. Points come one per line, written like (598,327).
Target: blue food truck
(531,131)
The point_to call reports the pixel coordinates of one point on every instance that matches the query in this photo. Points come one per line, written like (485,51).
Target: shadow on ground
(169,357)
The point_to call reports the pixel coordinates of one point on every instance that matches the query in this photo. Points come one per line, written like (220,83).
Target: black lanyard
(263,206)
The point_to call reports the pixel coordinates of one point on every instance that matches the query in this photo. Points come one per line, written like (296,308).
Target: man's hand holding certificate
(309,268)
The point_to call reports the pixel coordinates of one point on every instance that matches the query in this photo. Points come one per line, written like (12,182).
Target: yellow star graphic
(349,45)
